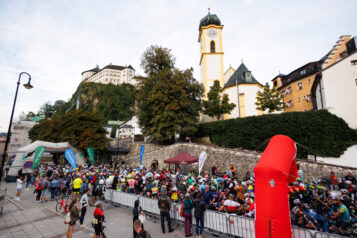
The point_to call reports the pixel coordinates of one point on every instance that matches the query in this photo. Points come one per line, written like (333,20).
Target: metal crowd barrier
(241,226)
(327,235)
(299,232)
(214,222)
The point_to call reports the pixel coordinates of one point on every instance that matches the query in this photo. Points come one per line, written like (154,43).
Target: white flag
(201,161)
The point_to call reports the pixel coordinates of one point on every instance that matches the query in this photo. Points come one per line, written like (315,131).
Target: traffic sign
(28,164)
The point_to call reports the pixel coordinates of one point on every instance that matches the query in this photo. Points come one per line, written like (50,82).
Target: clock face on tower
(212,33)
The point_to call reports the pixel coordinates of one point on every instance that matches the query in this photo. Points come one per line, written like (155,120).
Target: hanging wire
(265,142)
(310,150)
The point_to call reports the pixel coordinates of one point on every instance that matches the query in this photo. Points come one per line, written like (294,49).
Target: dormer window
(248,76)
(303,72)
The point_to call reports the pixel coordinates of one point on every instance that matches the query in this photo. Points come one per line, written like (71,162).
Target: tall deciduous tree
(80,129)
(269,99)
(168,98)
(217,105)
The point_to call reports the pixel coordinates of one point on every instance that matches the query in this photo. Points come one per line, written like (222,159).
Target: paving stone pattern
(29,218)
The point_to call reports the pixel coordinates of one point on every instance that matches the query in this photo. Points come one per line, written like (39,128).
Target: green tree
(168,98)
(217,105)
(80,129)
(112,102)
(269,99)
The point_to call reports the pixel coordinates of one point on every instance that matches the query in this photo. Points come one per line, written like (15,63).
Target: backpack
(163,204)
(99,190)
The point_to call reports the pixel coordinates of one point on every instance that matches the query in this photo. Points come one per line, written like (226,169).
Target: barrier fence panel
(327,235)
(214,222)
(241,226)
(302,233)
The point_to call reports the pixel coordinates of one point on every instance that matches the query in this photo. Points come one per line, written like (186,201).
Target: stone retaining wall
(222,157)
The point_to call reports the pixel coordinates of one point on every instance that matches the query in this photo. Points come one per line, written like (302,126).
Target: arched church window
(213,47)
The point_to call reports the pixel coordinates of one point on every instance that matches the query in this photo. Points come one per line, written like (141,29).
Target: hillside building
(114,74)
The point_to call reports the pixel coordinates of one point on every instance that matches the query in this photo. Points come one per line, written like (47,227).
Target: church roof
(208,20)
(238,77)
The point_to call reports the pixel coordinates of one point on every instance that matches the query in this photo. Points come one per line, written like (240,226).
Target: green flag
(90,154)
(38,155)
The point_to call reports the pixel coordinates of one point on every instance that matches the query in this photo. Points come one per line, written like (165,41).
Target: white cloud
(56,40)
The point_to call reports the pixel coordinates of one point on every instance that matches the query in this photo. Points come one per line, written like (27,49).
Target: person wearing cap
(98,219)
(187,213)
(164,204)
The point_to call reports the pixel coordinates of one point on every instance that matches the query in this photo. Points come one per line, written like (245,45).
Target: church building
(234,82)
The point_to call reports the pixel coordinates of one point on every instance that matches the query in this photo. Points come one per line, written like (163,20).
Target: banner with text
(201,161)
(39,151)
(90,152)
(70,157)
(142,153)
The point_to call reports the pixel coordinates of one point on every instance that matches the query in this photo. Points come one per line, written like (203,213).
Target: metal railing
(214,222)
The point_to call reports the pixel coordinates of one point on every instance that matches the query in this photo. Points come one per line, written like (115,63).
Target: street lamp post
(27,86)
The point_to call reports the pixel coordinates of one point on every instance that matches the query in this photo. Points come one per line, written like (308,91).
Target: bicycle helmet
(344,191)
(101,182)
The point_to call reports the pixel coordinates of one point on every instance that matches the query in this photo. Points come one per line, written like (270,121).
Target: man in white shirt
(84,203)
(18,188)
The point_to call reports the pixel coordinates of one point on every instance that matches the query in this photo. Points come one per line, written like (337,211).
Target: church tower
(211,60)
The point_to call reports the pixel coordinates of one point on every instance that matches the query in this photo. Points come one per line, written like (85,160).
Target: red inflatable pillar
(275,169)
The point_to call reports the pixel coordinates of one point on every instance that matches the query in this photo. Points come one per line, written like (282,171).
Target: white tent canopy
(18,162)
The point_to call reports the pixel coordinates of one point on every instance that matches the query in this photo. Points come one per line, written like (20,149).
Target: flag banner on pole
(39,151)
(201,161)
(90,152)
(70,157)
(142,153)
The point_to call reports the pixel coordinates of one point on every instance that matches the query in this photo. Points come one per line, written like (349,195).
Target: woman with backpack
(199,213)
(187,214)
(74,216)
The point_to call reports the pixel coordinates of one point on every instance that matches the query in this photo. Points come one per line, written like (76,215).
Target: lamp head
(28,84)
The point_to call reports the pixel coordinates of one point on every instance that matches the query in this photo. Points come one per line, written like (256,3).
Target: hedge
(318,131)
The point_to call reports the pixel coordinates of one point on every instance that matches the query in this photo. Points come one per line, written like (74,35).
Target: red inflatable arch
(275,169)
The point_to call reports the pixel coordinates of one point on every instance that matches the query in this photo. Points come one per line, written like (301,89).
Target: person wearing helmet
(304,219)
(342,216)
(98,219)
(76,187)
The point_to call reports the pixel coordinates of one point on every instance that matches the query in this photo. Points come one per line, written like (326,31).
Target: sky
(55,41)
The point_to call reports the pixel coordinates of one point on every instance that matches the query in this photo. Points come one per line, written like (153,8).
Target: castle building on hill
(240,85)
(114,74)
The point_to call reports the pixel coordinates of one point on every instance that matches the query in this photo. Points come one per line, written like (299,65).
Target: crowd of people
(327,204)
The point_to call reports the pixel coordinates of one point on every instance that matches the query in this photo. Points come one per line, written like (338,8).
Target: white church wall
(340,89)
(249,92)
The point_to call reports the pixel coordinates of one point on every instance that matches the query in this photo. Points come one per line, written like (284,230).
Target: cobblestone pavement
(28,218)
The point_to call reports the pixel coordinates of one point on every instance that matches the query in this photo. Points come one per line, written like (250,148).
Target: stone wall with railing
(244,160)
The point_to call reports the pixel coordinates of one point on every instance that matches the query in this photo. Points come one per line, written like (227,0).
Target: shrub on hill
(319,132)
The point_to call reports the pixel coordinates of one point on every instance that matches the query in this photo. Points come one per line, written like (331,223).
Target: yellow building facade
(296,86)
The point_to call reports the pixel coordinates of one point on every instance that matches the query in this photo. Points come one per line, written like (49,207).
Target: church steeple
(211,60)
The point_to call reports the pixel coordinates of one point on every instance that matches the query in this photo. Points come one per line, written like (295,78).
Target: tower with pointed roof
(211,51)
